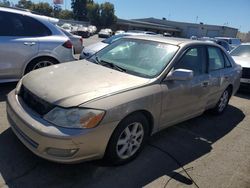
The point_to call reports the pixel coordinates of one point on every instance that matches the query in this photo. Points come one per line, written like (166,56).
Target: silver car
(93,48)
(241,56)
(109,105)
(233,42)
(28,42)
(105,33)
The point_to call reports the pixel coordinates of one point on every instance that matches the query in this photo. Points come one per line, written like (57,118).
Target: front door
(182,100)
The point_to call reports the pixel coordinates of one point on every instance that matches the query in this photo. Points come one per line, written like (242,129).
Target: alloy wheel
(42,64)
(223,101)
(130,140)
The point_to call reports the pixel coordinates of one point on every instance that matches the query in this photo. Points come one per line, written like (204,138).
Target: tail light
(81,40)
(68,44)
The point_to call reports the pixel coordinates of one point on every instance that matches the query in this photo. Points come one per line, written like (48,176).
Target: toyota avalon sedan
(109,105)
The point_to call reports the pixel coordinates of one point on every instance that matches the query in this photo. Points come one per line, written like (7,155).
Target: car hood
(74,83)
(243,61)
(94,47)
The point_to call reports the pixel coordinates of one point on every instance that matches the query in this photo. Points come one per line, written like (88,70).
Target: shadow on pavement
(5,89)
(181,144)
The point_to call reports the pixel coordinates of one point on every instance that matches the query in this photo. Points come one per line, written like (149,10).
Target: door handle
(29,43)
(226,77)
(205,84)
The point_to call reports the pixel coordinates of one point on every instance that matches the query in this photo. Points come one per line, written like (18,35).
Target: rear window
(21,25)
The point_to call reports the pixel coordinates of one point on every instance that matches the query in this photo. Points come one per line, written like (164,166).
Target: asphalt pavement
(207,151)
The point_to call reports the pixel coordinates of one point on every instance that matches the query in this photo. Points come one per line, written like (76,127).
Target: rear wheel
(223,102)
(128,139)
(40,63)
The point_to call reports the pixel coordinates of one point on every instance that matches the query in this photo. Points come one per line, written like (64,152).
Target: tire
(40,63)
(130,145)
(223,102)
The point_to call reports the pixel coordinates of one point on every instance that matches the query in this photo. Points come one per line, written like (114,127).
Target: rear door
(220,73)
(18,43)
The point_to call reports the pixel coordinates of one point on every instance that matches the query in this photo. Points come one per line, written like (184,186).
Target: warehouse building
(178,29)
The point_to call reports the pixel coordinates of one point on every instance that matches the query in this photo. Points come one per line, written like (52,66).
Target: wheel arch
(39,57)
(148,115)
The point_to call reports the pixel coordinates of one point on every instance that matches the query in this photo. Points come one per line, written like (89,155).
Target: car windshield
(243,51)
(138,57)
(112,39)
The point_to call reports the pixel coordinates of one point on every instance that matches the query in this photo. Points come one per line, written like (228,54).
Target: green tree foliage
(107,14)
(42,8)
(26,4)
(93,13)
(245,37)
(4,3)
(79,9)
(65,14)
(87,10)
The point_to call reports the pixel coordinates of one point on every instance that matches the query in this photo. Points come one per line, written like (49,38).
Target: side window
(34,28)
(194,59)
(215,59)
(12,26)
(20,25)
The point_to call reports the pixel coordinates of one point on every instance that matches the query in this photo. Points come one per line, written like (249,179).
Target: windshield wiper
(112,65)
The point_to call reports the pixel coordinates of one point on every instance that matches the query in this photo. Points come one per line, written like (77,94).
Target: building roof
(165,22)
(147,24)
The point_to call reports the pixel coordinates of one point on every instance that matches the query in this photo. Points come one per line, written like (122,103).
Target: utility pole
(197,17)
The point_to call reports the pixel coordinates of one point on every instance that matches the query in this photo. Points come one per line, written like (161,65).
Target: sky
(232,13)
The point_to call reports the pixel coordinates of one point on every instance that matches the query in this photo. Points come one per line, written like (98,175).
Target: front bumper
(40,137)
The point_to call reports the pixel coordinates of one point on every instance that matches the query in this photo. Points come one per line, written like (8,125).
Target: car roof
(168,40)
(28,13)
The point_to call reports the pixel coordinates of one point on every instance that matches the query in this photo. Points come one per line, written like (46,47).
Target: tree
(245,37)
(79,9)
(107,14)
(5,3)
(65,14)
(42,8)
(26,4)
(56,10)
(93,13)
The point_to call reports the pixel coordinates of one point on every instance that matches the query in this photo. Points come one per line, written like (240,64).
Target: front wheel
(128,139)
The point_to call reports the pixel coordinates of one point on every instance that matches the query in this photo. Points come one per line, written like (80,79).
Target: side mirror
(180,74)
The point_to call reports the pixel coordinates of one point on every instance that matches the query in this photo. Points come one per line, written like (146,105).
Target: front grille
(35,103)
(246,73)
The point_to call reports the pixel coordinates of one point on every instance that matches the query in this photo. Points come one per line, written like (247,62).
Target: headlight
(74,117)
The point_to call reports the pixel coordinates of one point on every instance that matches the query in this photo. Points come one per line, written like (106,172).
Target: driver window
(193,59)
